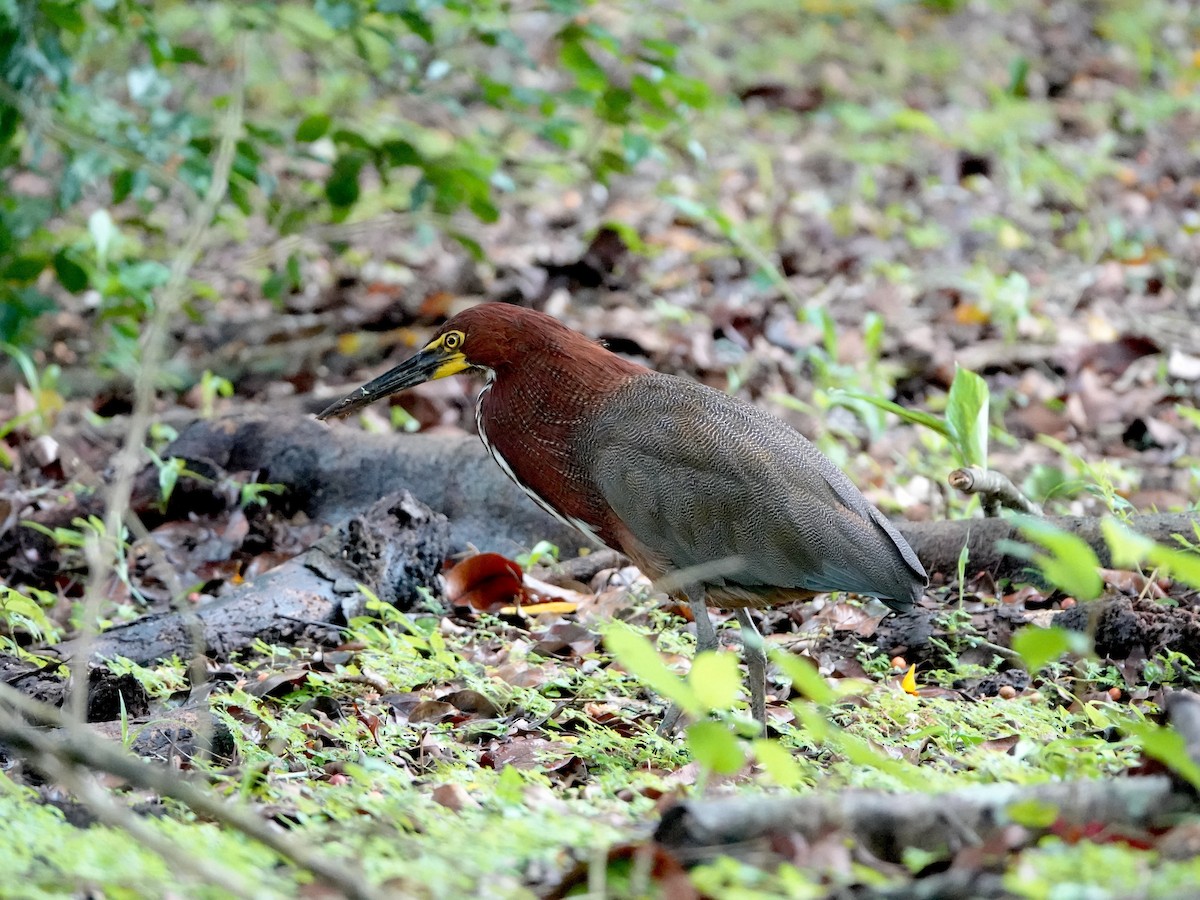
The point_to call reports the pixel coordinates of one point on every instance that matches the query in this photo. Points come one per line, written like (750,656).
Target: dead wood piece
(396,548)
(886,824)
(995,490)
(938,544)
(334,471)
(941,824)
(337,470)
(109,696)
(580,568)
(181,734)
(1183,710)
(1121,625)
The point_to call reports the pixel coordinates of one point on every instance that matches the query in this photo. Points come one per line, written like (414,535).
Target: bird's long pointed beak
(434,361)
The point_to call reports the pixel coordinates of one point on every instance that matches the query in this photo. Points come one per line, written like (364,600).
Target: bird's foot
(668,726)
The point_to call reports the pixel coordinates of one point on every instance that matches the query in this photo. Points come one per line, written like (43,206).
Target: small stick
(995,490)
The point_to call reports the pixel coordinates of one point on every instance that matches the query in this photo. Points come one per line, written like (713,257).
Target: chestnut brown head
(491,337)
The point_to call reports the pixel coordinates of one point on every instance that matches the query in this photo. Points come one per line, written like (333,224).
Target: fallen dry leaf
(486,582)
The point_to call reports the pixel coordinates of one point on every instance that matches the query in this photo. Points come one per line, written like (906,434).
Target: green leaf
(168,477)
(666,51)
(1132,550)
(1070,564)
(341,188)
(24,269)
(418,25)
(187,55)
(689,91)
(313,127)
(1168,747)
(473,247)
(65,15)
(1039,646)
(510,786)
(913,416)
(915,120)
(103,232)
(779,764)
(967,418)
(1033,813)
(122,184)
(805,677)
(715,747)
(576,60)
(400,153)
(715,680)
(693,209)
(352,139)
(71,275)
(638,657)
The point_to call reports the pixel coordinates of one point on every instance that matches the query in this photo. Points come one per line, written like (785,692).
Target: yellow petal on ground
(348,344)
(540,609)
(909,681)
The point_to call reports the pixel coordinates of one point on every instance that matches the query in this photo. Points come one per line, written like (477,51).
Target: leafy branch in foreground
(424,110)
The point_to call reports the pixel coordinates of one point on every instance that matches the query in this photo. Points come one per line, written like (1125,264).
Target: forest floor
(1013,189)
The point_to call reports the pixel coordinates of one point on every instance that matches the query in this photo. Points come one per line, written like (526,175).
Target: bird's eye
(453,340)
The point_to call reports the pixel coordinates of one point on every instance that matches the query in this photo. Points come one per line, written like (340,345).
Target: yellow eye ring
(452,340)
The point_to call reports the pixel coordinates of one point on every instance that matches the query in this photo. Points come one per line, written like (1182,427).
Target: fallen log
(333,472)
(938,544)
(886,824)
(395,548)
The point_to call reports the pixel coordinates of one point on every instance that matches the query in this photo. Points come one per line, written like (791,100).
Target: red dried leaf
(487,581)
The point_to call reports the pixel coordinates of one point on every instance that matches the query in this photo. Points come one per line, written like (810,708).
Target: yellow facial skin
(449,344)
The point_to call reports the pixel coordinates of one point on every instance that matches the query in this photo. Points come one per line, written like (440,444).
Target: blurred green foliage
(354,108)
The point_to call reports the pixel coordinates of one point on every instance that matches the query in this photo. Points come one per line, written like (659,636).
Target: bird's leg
(756,666)
(706,634)
(706,639)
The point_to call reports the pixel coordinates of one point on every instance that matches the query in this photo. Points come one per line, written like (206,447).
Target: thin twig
(1005,653)
(102,550)
(75,746)
(39,121)
(83,786)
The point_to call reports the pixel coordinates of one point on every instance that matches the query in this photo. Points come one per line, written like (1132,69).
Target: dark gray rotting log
(334,471)
(1120,625)
(109,695)
(938,544)
(395,548)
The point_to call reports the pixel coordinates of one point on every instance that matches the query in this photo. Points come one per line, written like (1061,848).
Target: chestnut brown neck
(528,417)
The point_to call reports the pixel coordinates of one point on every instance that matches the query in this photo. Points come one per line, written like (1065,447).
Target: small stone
(1183,366)
(43,450)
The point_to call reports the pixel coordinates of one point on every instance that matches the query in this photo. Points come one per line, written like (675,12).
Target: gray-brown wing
(701,477)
